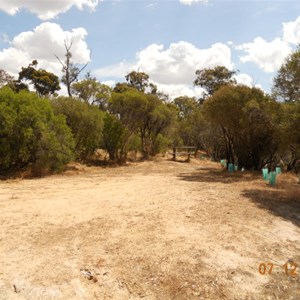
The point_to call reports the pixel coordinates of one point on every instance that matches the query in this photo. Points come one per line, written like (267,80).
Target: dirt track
(152,230)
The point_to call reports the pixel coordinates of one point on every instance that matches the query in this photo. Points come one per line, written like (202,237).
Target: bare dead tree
(69,69)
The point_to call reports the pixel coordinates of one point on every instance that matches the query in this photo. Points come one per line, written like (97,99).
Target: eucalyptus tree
(138,80)
(212,79)
(246,118)
(44,82)
(92,91)
(287,81)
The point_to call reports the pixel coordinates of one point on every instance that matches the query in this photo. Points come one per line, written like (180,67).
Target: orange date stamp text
(289,268)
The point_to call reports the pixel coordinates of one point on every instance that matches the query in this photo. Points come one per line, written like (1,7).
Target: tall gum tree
(287,81)
(44,82)
(244,116)
(212,79)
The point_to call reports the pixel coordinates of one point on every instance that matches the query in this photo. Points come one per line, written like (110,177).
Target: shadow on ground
(282,203)
(208,174)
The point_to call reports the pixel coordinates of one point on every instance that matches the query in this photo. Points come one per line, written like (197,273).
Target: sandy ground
(151,230)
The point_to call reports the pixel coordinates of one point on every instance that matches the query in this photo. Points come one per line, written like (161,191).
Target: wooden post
(189,155)
(174,153)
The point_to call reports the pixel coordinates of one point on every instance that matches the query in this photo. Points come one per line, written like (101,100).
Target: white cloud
(172,69)
(42,44)
(268,56)
(190,2)
(45,10)
(150,5)
(244,79)
(110,83)
(119,70)
(291,32)
(247,80)
(4,38)
(176,90)
(178,63)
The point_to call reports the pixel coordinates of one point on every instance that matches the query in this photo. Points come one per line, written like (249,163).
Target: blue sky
(169,40)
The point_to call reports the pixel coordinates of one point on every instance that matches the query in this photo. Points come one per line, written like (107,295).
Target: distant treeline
(43,131)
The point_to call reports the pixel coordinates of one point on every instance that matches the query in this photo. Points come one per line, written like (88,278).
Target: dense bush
(236,122)
(113,135)
(85,121)
(31,134)
(145,115)
(245,117)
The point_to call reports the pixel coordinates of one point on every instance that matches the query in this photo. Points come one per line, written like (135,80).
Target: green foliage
(60,152)
(112,136)
(85,121)
(129,107)
(287,81)
(44,82)
(30,133)
(244,116)
(212,79)
(122,87)
(157,119)
(194,129)
(288,133)
(142,114)
(161,144)
(291,123)
(92,91)
(135,144)
(185,106)
(138,80)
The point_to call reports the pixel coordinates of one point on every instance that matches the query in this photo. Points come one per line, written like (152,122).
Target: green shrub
(113,133)
(135,143)
(161,144)
(31,134)
(86,123)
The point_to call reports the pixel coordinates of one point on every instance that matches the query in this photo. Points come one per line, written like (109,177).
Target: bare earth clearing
(151,230)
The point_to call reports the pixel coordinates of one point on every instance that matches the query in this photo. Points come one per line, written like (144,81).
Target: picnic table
(185,150)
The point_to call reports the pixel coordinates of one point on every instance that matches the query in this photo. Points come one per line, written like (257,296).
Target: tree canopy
(244,116)
(92,91)
(212,79)
(138,80)
(44,82)
(287,81)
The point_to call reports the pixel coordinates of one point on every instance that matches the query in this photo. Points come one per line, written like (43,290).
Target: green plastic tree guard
(278,170)
(272,178)
(230,168)
(265,173)
(224,163)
